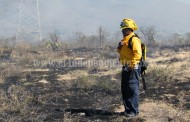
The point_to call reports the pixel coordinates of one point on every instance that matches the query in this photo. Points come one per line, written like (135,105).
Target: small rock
(43,81)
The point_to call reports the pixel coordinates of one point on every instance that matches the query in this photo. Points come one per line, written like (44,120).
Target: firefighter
(130,59)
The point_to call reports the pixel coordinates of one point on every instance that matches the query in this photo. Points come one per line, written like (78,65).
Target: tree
(53,42)
(92,41)
(102,36)
(6,47)
(187,38)
(149,34)
(81,38)
(177,39)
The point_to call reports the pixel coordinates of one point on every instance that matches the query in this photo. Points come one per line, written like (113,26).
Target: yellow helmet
(128,23)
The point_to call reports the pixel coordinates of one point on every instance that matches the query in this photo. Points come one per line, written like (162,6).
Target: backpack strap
(130,41)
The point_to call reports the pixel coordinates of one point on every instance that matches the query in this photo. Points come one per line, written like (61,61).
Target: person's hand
(121,43)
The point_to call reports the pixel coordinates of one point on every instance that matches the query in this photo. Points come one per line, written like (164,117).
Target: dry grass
(10,70)
(160,112)
(35,93)
(16,104)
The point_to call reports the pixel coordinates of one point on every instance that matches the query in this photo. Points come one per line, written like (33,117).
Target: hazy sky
(67,16)
(184,1)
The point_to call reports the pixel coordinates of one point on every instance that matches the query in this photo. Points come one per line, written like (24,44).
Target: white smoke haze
(67,16)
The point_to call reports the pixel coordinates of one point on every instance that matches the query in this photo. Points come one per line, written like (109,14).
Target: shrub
(160,76)
(86,82)
(98,84)
(7,70)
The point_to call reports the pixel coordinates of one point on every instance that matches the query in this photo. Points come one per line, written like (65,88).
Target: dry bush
(8,70)
(110,54)
(25,54)
(158,80)
(68,117)
(98,83)
(15,105)
(5,52)
(14,99)
(21,48)
(105,84)
(6,47)
(160,76)
(86,82)
(161,112)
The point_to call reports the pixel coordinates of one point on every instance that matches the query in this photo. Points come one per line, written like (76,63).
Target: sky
(68,16)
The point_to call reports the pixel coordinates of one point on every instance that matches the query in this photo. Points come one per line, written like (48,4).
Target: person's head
(126,31)
(128,26)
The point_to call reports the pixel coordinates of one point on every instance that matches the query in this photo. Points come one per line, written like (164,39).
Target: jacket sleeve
(137,52)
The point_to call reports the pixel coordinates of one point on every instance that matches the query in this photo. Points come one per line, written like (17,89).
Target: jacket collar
(129,36)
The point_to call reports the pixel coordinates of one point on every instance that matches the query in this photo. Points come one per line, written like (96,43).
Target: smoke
(8,15)
(83,15)
(67,16)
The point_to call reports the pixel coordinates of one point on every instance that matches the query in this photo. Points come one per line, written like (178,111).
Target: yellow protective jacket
(130,57)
